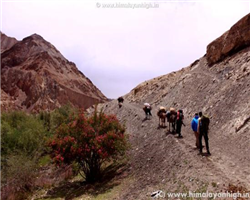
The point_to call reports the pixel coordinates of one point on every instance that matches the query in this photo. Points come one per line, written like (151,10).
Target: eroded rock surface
(232,41)
(36,76)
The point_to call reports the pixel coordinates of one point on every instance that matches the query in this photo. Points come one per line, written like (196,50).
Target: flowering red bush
(89,142)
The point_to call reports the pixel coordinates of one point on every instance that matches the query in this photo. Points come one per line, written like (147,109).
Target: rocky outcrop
(37,77)
(7,42)
(7,102)
(234,40)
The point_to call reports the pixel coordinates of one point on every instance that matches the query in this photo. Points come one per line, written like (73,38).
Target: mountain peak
(38,77)
(34,36)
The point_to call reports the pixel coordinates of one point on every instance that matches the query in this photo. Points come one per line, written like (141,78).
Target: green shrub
(52,120)
(24,146)
(18,176)
(22,143)
(21,133)
(61,115)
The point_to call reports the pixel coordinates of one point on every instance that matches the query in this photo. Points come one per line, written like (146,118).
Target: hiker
(162,116)
(203,124)
(194,125)
(120,101)
(147,109)
(179,122)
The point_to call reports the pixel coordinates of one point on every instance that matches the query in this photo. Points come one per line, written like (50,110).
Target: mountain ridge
(39,77)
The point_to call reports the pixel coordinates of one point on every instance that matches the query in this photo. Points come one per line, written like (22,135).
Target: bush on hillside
(22,143)
(52,120)
(21,133)
(89,142)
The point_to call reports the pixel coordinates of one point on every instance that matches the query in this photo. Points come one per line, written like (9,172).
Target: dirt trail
(160,160)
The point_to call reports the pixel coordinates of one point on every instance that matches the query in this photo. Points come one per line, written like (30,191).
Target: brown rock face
(37,77)
(7,42)
(237,38)
(7,101)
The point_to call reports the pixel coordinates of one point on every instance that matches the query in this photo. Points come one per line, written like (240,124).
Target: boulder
(232,41)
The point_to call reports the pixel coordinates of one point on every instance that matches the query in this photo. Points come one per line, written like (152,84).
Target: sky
(118,44)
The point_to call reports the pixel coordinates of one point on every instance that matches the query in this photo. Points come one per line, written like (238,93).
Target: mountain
(218,84)
(7,42)
(36,76)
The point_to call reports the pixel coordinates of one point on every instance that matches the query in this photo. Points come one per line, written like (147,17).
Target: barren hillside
(159,160)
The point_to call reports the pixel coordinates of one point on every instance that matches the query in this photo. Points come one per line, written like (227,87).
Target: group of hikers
(199,124)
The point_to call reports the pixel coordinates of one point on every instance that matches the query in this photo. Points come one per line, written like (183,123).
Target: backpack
(161,110)
(205,122)
(180,115)
(148,107)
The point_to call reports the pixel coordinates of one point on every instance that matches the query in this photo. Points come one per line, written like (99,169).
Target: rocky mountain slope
(7,42)
(35,76)
(221,89)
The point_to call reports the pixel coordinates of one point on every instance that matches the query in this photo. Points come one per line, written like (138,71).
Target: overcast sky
(118,48)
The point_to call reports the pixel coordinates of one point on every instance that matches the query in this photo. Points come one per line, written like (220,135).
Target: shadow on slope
(112,176)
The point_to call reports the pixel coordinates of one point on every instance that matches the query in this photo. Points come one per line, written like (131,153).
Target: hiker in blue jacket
(194,125)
